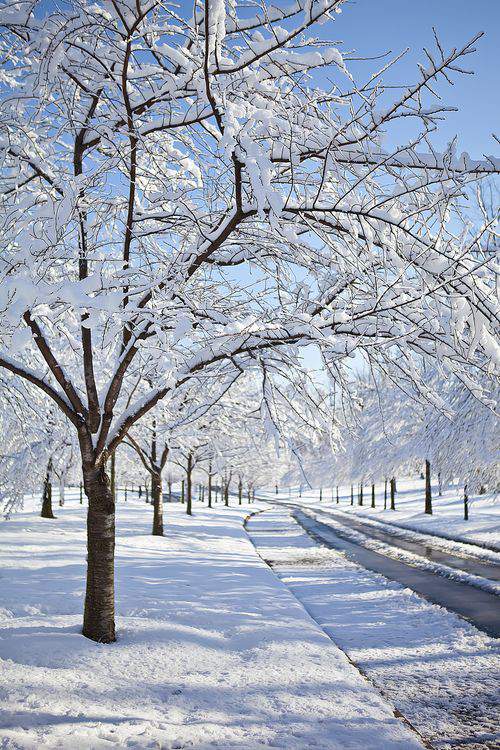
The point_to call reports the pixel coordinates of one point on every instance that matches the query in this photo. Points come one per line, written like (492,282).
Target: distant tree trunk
(320,494)
(182,492)
(210,485)
(47,511)
(146,487)
(169,486)
(189,487)
(373,495)
(385,494)
(300,491)
(395,485)
(466,504)
(62,493)
(393,494)
(157,500)
(140,490)
(276,488)
(352,494)
(249,494)
(99,611)
(337,494)
(126,493)
(240,491)
(440,484)
(428,491)
(81,493)
(226,493)
(253,495)
(360,496)
(216,493)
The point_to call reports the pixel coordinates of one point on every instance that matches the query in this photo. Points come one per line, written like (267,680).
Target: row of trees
(390,433)
(191,193)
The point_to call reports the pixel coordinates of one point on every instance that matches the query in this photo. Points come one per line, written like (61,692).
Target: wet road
(479,607)
(470,565)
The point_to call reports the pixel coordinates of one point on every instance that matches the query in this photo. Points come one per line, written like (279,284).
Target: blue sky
(375,26)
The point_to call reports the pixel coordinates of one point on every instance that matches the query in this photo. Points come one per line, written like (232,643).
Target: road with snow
(480,607)
(435,668)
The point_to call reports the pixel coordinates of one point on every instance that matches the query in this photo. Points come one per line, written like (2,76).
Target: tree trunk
(157,500)
(466,504)
(320,494)
(360,496)
(61,490)
(393,493)
(385,494)
(226,494)
(99,613)
(337,494)
(209,492)
(113,477)
(440,484)
(189,485)
(47,511)
(147,492)
(352,494)
(182,492)
(276,489)
(125,493)
(169,484)
(373,495)
(428,491)
(240,492)
(81,493)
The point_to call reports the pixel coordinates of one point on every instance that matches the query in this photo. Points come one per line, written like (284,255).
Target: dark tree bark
(169,485)
(140,490)
(99,612)
(240,491)
(360,496)
(466,504)
(210,485)
(276,489)
(226,492)
(352,494)
(125,493)
(393,493)
(189,484)
(440,484)
(46,511)
(428,491)
(182,492)
(337,494)
(320,494)
(385,494)
(157,499)
(373,496)
(113,476)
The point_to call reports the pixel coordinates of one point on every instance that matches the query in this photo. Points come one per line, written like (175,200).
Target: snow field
(212,652)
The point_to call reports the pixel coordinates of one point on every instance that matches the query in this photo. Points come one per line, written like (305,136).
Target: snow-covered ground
(213,650)
(438,670)
(483,526)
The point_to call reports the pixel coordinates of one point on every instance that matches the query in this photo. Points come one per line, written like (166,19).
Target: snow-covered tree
(150,152)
